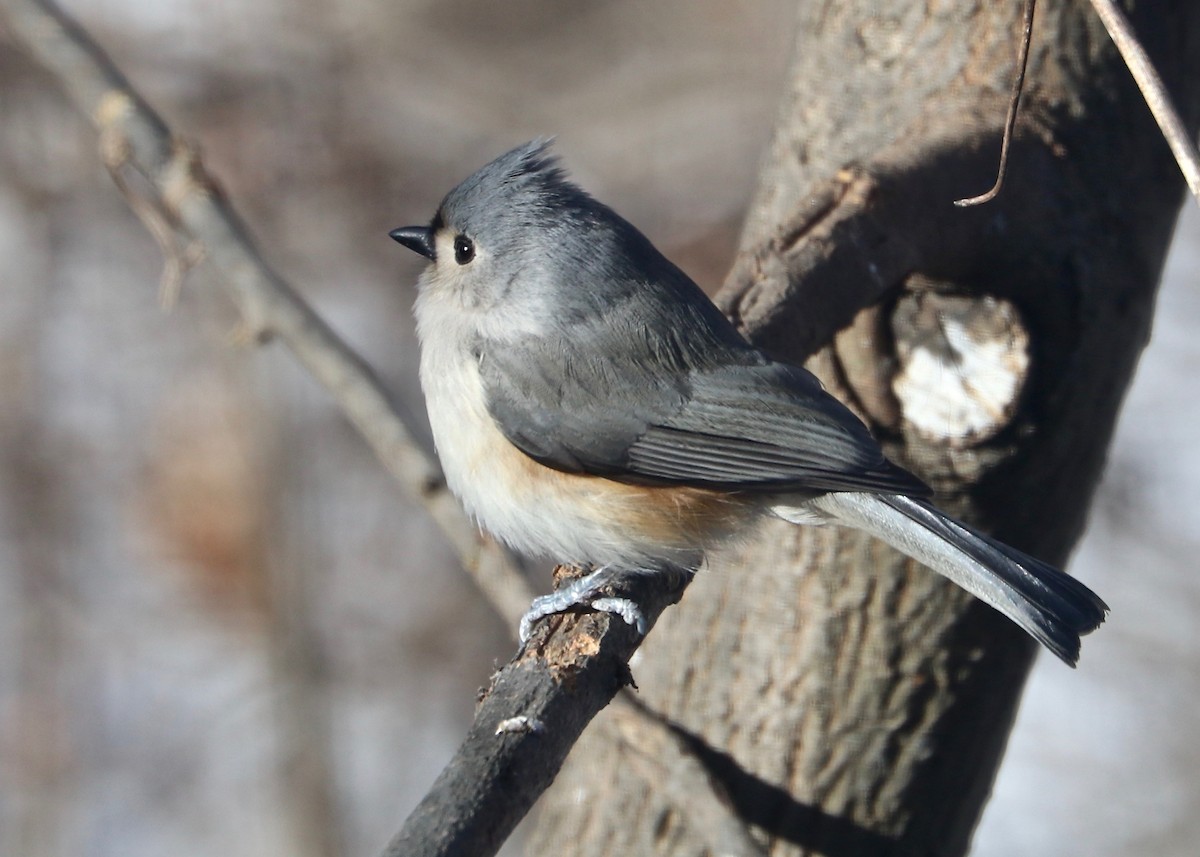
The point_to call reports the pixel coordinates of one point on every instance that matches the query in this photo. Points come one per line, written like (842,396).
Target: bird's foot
(588,592)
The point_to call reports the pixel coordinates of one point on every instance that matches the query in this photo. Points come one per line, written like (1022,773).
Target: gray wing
(730,419)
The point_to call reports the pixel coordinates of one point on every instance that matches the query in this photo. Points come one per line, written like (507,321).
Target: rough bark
(848,701)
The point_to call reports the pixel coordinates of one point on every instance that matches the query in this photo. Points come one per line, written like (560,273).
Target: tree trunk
(847,701)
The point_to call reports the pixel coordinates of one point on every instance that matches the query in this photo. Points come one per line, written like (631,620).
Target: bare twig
(1152,89)
(135,139)
(1014,103)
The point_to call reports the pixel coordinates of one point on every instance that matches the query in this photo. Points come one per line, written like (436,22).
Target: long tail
(1050,605)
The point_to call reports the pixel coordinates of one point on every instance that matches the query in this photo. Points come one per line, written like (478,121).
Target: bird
(590,404)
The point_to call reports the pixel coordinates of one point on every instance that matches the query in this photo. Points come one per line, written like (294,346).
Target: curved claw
(587,592)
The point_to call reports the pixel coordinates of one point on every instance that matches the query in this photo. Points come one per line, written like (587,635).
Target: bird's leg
(593,592)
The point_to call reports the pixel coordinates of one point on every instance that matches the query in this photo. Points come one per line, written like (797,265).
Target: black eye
(464,249)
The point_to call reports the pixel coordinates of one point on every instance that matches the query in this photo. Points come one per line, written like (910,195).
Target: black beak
(419,239)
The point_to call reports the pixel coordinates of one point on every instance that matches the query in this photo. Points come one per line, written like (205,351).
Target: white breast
(534,509)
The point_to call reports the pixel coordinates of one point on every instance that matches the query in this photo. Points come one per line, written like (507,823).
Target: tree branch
(1169,122)
(184,198)
(1014,104)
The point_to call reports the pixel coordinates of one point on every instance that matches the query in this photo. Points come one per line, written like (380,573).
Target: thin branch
(134,139)
(1152,89)
(1014,102)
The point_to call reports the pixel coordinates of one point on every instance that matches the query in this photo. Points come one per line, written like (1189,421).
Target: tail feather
(1050,605)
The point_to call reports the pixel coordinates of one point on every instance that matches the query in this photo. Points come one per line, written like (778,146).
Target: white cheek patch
(502,306)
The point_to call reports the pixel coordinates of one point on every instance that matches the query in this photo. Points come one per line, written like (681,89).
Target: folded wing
(735,421)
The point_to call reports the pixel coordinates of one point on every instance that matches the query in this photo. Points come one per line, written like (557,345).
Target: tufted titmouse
(590,404)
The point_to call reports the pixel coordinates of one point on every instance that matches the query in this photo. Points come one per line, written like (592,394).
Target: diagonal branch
(186,199)
(1152,89)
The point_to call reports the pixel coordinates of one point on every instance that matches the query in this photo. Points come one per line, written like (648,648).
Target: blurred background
(223,629)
